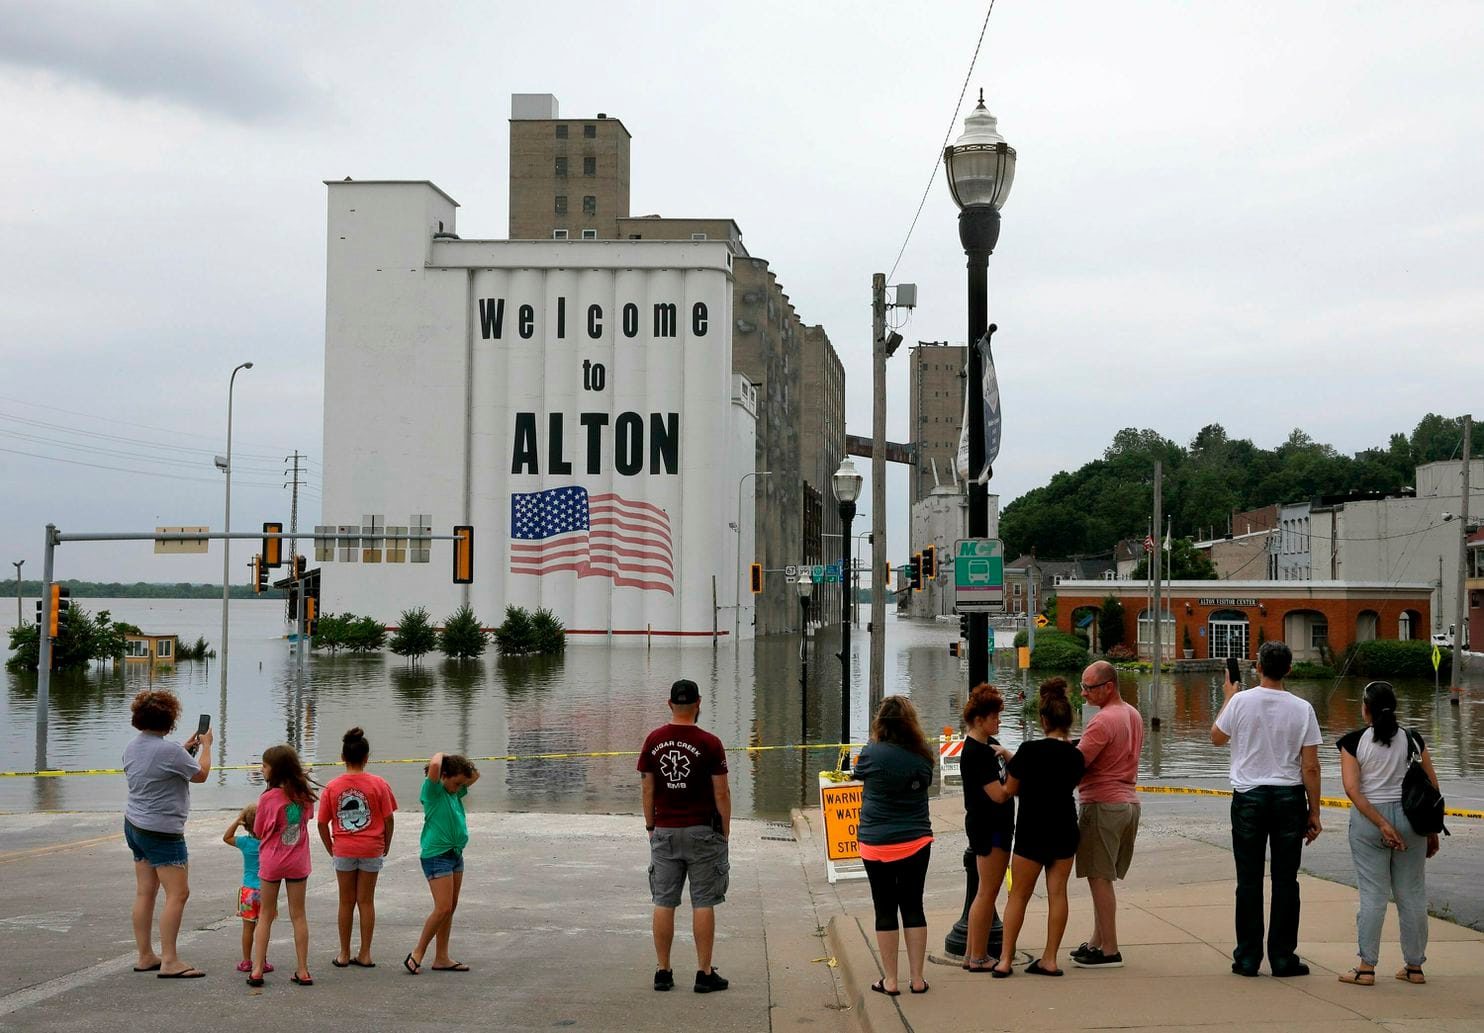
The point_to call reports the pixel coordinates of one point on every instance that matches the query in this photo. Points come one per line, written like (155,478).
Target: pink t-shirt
(282,828)
(1110,745)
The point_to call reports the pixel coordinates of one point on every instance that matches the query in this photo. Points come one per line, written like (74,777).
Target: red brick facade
(1265,609)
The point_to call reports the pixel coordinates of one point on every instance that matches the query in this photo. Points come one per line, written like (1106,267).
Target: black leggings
(897,886)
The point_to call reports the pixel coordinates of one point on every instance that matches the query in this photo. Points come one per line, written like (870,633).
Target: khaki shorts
(1106,846)
(696,854)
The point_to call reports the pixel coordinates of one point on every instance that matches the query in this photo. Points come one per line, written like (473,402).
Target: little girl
(358,808)
(445,834)
(282,823)
(250,895)
(1043,772)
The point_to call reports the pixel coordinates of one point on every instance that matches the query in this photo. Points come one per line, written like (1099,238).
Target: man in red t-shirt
(1108,815)
(688,815)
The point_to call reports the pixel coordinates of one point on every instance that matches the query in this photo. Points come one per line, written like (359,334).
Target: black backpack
(1421,801)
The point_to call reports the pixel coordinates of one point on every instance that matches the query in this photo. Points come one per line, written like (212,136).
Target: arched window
(1228,634)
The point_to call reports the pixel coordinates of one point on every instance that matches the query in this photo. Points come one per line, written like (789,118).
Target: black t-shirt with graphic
(978,766)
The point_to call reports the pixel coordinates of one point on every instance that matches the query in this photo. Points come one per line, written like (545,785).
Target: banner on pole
(990,389)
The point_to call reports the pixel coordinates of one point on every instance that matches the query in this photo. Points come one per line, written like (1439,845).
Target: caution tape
(508,758)
(1325,801)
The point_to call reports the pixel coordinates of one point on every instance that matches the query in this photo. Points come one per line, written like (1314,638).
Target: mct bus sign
(979,575)
(572,400)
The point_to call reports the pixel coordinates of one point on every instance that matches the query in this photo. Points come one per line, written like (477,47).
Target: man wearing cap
(688,815)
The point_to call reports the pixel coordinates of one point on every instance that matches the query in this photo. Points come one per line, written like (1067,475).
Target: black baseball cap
(685,692)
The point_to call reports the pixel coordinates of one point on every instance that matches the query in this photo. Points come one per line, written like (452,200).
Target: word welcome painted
(492,325)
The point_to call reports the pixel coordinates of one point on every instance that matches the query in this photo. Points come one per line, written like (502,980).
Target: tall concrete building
(799,380)
(936,388)
(569,178)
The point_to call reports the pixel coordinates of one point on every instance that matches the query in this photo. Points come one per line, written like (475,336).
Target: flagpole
(1159,654)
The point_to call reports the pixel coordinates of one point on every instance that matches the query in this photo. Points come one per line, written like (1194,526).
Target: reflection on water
(596,700)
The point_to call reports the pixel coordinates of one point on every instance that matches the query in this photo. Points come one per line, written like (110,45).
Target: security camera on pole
(981,170)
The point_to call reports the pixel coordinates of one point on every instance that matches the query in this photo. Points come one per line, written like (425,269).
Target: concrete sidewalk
(554,923)
(1175,933)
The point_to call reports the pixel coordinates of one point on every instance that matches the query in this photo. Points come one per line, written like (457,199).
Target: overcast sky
(1266,214)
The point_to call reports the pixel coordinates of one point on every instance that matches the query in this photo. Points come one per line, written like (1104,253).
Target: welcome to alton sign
(571,400)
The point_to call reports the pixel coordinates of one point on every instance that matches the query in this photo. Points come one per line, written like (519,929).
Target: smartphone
(201,728)
(1234,672)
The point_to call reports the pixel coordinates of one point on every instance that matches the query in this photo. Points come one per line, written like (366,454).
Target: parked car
(1445,638)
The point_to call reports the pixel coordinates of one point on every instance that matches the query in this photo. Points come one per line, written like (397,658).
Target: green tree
(1185,563)
(1110,623)
(516,636)
(332,631)
(462,635)
(549,635)
(365,635)
(415,635)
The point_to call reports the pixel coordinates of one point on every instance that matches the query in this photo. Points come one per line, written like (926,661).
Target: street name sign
(176,548)
(979,575)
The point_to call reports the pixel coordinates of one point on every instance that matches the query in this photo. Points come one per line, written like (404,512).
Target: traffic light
(886,567)
(311,613)
(56,604)
(929,562)
(963,625)
(916,569)
(272,547)
(463,554)
(259,574)
(301,563)
(755,575)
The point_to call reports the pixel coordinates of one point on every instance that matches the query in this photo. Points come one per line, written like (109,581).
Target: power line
(108,419)
(117,438)
(131,470)
(938,159)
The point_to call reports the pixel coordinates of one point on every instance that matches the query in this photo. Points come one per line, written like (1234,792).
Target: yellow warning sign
(1041,621)
(1023,655)
(841,806)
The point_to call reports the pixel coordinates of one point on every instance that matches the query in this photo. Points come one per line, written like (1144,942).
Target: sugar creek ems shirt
(682,759)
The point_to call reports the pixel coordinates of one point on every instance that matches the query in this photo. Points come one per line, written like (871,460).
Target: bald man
(1108,811)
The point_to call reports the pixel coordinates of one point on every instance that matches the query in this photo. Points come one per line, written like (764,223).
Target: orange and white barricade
(950,749)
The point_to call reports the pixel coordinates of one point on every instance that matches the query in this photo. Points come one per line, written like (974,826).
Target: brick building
(1231,618)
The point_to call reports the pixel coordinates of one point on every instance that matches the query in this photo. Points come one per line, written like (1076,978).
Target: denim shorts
(441,865)
(359,864)
(157,848)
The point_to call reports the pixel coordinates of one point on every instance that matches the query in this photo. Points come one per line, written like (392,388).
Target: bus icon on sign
(979,571)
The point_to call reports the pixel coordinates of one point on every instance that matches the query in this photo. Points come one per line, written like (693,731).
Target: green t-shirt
(444,826)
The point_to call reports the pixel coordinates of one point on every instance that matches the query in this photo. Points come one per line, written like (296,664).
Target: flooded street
(595,700)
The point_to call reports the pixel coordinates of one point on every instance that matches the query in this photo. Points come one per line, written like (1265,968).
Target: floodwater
(594,700)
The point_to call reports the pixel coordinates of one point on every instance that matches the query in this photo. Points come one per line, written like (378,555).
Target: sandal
(925,987)
(1035,969)
(997,974)
(1412,974)
(411,966)
(880,987)
(1360,977)
(984,964)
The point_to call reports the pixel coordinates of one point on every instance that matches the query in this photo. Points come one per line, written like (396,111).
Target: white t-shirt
(1268,729)
(1382,768)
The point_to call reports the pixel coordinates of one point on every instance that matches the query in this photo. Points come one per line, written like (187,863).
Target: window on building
(136,647)
(561,167)
(561,204)
(698,236)
(589,234)
(164,648)
(589,167)
(591,132)
(561,132)
(1318,635)
(589,205)
(558,234)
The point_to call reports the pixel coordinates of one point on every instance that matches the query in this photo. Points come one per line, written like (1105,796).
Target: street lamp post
(737,609)
(17,564)
(805,585)
(847,489)
(226,466)
(981,169)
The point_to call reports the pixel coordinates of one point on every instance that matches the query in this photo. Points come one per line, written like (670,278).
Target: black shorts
(985,837)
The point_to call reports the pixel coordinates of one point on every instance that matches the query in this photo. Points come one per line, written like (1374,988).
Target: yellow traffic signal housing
(272,547)
(929,562)
(311,612)
(54,611)
(463,554)
(756,577)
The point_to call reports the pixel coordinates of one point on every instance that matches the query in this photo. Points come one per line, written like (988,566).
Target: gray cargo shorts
(697,852)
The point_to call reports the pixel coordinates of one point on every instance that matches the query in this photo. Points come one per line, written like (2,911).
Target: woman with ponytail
(1390,857)
(355,824)
(1043,773)
(282,830)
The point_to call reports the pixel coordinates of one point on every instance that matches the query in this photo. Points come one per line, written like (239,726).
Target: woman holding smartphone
(159,774)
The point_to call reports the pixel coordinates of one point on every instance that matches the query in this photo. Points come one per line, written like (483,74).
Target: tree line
(1087,511)
(141,590)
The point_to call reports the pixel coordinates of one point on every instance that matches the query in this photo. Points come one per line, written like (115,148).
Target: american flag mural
(604,535)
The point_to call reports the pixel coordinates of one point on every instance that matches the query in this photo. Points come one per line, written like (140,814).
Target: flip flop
(457,966)
(189,973)
(339,964)
(411,966)
(149,968)
(925,987)
(1035,969)
(306,981)
(997,974)
(362,964)
(981,966)
(1357,977)
(880,987)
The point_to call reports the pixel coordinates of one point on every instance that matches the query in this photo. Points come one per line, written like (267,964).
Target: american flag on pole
(604,535)
(1149,543)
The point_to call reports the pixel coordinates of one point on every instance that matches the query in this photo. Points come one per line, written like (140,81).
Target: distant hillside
(138,590)
(1087,512)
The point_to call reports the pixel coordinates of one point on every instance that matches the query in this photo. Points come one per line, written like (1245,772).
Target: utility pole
(1155,571)
(17,564)
(293,507)
(1463,565)
(879,554)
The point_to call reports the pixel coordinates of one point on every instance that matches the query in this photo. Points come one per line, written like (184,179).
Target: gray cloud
(203,57)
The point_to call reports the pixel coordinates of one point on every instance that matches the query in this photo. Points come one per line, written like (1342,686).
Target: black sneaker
(1293,968)
(1082,951)
(664,979)
(710,982)
(1094,957)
